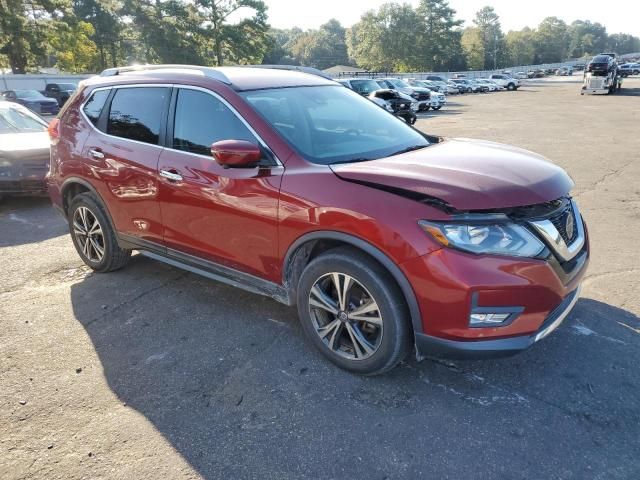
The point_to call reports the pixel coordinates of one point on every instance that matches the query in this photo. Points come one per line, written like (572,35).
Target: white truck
(506,81)
(601,76)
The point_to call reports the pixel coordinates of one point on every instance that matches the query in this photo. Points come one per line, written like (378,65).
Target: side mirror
(236,153)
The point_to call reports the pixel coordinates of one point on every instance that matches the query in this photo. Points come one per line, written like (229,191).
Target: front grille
(423,96)
(560,221)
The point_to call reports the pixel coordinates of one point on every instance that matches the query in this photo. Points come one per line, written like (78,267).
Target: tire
(511,87)
(437,108)
(84,211)
(387,336)
(427,107)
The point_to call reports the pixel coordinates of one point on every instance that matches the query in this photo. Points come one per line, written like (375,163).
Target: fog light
(487,319)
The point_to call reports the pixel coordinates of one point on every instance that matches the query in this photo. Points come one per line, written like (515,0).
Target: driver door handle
(171,175)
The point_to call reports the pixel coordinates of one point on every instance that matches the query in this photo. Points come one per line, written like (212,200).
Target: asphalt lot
(153,373)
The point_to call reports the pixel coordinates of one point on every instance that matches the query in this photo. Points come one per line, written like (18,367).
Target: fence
(36,81)
(467,74)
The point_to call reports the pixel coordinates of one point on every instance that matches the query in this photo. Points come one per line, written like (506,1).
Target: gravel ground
(153,373)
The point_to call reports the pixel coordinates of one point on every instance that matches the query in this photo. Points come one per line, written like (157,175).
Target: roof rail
(206,71)
(298,68)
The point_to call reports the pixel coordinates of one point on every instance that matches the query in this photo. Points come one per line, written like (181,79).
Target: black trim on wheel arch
(377,254)
(90,187)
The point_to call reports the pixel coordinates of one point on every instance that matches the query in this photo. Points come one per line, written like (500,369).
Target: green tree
(245,41)
(552,40)
(520,46)
(24,29)
(439,41)
(164,31)
(72,46)
(385,40)
(322,48)
(623,43)
(488,24)
(280,42)
(586,38)
(473,47)
(108,28)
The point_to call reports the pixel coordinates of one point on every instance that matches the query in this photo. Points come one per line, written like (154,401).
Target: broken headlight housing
(485,237)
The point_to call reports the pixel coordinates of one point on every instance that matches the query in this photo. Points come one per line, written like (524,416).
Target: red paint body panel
(468,175)
(445,280)
(224,215)
(248,218)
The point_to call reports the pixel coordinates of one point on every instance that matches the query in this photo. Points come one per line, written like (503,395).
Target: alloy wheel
(88,233)
(345,316)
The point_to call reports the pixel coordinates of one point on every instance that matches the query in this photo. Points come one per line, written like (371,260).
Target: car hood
(38,99)
(466,174)
(18,145)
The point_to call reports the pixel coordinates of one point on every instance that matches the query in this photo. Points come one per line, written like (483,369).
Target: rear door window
(136,113)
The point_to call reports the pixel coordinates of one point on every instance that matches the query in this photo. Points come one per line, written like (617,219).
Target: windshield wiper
(351,160)
(409,149)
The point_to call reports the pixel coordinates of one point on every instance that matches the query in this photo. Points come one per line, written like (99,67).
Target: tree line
(90,35)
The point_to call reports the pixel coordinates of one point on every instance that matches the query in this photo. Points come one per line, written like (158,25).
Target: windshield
(333,124)
(28,94)
(364,87)
(16,120)
(399,83)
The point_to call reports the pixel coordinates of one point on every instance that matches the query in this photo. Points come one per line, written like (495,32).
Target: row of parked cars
(406,97)
(46,102)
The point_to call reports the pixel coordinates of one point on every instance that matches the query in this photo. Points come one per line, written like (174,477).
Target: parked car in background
(413,82)
(33,100)
(505,81)
(492,86)
(420,95)
(437,98)
(363,86)
(477,87)
(24,151)
(60,91)
(400,104)
(578,67)
(627,69)
(469,86)
(564,71)
(521,75)
(387,240)
(462,85)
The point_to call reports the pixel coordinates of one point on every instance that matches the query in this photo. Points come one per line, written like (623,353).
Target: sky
(617,16)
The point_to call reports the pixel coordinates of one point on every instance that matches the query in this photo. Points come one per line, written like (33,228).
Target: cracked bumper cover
(495,348)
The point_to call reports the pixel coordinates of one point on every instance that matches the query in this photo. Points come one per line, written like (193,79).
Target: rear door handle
(171,175)
(96,153)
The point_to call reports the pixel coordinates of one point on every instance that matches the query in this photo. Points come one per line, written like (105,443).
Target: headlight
(489,238)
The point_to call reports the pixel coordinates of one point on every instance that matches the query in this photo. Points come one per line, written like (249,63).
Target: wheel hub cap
(345,316)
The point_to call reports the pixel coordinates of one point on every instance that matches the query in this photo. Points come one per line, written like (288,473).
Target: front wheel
(352,310)
(511,87)
(437,108)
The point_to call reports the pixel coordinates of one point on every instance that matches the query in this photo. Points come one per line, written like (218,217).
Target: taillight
(53,129)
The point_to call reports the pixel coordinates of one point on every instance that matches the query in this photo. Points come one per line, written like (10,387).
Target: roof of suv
(238,78)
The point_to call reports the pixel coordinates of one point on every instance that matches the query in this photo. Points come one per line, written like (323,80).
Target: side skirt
(205,268)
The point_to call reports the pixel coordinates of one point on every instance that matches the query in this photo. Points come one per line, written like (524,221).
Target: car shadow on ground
(628,92)
(26,220)
(227,377)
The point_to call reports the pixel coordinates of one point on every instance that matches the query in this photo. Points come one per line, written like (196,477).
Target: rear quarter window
(93,107)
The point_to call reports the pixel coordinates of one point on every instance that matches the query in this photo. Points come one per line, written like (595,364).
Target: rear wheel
(353,312)
(93,235)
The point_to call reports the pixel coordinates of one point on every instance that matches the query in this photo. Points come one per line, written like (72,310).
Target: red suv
(287,184)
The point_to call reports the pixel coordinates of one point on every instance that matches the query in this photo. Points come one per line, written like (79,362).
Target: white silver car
(493,87)
(505,81)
